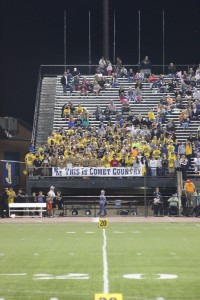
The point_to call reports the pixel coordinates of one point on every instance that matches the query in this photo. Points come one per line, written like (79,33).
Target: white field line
(13,274)
(105,264)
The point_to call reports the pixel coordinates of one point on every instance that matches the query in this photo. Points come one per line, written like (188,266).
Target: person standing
(157,203)
(189,190)
(50,200)
(11,195)
(102,202)
(146,66)
(4,204)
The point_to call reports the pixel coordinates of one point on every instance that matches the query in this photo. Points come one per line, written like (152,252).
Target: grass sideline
(65,261)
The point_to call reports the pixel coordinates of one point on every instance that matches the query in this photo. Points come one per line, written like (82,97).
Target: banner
(10,173)
(96,172)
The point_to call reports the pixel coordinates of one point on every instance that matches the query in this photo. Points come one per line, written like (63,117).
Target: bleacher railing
(54,70)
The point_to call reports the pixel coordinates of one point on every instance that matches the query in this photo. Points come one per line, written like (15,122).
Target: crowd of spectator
(120,139)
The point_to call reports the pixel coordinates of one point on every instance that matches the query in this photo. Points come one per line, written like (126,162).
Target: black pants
(4,206)
(173,210)
(157,209)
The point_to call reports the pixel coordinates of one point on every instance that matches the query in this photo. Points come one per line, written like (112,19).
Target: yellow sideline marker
(103,223)
(108,297)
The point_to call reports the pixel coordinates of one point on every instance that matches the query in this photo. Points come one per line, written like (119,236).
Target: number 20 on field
(103,223)
(108,297)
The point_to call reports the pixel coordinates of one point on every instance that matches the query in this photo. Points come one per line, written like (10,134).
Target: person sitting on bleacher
(107,114)
(113,80)
(83,88)
(109,69)
(123,72)
(131,75)
(138,95)
(153,81)
(66,112)
(171,70)
(99,113)
(112,107)
(75,83)
(96,88)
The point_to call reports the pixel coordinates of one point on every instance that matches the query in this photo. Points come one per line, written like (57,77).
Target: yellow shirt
(11,196)
(29,158)
(170,149)
(188,150)
(146,150)
(151,115)
(171,161)
(156,153)
(129,161)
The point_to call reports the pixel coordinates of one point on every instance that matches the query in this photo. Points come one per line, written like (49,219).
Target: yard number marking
(66,276)
(108,297)
(103,223)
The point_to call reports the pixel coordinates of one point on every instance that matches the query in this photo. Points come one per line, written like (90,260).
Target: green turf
(132,248)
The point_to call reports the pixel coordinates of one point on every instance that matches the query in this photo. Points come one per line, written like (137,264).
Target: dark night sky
(32,34)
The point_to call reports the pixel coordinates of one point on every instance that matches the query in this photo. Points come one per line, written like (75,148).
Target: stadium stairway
(46,110)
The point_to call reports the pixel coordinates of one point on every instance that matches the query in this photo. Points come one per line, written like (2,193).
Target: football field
(75,261)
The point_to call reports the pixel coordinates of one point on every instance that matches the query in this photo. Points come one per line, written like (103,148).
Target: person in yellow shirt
(42,148)
(171,164)
(188,152)
(105,161)
(11,195)
(70,131)
(29,158)
(66,112)
(151,115)
(170,148)
(146,149)
(78,110)
(156,152)
(129,160)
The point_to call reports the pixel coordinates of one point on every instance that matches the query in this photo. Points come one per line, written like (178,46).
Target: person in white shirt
(50,202)
(153,166)
(173,205)
(197,163)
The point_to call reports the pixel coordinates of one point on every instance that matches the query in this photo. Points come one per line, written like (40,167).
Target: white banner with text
(96,172)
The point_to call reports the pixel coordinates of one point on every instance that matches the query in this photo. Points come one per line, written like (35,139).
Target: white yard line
(13,274)
(105,264)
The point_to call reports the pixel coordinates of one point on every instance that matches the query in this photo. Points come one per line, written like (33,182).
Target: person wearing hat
(102,202)
(190,190)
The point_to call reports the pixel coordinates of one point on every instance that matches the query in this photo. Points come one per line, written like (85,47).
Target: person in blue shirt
(102,202)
